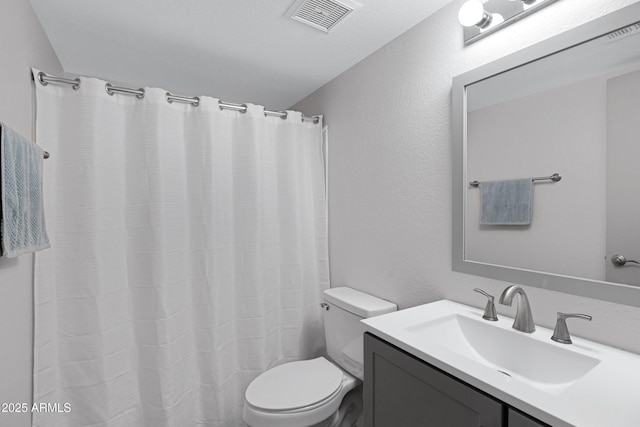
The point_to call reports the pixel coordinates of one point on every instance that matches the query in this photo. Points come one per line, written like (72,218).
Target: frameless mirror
(571,106)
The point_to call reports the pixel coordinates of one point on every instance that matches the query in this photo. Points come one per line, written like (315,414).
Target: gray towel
(23,227)
(507,202)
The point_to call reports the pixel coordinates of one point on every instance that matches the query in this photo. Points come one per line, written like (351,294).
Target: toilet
(315,393)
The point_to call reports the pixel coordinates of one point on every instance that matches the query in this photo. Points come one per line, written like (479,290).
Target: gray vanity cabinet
(516,419)
(401,390)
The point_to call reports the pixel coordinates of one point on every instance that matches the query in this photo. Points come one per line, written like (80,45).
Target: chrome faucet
(524,320)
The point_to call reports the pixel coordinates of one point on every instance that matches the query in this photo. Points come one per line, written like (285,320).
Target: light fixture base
(486,21)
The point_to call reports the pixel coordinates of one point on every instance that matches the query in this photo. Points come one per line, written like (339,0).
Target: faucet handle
(490,308)
(561,332)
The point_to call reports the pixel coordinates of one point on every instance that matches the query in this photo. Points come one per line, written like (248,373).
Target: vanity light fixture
(483,17)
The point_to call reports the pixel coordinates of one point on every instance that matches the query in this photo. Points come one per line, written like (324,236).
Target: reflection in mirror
(574,111)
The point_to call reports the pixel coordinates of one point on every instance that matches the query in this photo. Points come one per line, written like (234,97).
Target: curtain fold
(189,254)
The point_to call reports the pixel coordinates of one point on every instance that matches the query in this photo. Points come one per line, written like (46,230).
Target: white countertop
(607,396)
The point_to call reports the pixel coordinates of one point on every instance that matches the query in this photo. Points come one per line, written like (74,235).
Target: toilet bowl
(311,393)
(304,393)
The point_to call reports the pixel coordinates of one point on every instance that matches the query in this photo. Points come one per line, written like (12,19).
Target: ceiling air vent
(321,14)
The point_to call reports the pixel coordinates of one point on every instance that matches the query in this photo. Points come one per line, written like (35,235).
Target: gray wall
(390,168)
(23,44)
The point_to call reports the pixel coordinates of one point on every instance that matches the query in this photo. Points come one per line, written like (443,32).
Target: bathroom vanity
(442,364)
(402,390)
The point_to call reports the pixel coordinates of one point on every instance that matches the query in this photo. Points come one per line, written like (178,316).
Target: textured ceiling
(236,50)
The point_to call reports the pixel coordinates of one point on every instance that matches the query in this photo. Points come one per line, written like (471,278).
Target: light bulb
(472,13)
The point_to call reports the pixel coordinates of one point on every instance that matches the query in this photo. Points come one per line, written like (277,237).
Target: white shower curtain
(189,253)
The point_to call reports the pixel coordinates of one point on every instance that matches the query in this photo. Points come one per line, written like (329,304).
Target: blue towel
(23,228)
(507,202)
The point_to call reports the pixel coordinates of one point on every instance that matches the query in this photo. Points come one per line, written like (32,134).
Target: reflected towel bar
(555,178)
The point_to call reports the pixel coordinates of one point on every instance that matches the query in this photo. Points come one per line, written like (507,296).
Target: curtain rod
(46,79)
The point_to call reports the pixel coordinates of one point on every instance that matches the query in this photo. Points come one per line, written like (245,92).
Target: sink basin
(584,384)
(543,365)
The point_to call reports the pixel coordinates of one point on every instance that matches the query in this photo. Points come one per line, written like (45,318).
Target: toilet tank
(342,327)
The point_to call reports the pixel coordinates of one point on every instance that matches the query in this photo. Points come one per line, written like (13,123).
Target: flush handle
(324,306)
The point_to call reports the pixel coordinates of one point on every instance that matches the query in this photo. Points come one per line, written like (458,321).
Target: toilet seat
(306,392)
(295,385)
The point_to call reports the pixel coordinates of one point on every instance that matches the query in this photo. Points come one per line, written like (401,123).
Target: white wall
(23,44)
(390,168)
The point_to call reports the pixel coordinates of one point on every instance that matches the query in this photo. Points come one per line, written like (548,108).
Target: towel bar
(555,178)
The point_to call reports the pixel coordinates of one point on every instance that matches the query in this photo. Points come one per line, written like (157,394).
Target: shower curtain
(189,253)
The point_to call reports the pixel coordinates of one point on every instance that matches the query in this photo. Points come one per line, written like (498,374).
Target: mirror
(571,106)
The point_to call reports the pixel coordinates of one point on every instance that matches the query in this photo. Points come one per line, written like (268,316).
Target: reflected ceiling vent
(625,32)
(321,14)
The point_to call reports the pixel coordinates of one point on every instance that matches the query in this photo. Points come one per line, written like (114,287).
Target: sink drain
(505,373)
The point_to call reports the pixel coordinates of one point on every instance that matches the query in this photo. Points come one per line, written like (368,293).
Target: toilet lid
(294,385)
